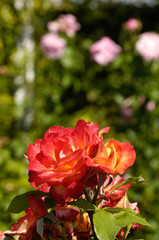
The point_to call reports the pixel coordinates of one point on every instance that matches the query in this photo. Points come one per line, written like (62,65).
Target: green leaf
(9,238)
(49,202)
(128,230)
(40,227)
(126,217)
(131,180)
(51,215)
(105,225)
(20,202)
(83,204)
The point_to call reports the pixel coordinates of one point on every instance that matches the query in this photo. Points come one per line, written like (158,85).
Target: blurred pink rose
(52,46)
(66,23)
(132,24)
(148,46)
(104,51)
(150,106)
(126,113)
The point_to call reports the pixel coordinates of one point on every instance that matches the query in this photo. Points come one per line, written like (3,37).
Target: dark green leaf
(40,227)
(49,202)
(83,204)
(9,238)
(20,202)
(105,225)
(51,215)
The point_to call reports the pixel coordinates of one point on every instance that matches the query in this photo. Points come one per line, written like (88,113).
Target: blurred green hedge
(76,87)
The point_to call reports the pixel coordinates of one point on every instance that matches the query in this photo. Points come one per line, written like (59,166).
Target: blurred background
(39,89)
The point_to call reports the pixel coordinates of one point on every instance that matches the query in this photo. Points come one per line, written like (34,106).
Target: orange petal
(127,159)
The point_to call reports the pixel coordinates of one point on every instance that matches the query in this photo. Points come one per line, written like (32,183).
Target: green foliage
(40,227)
(114,222)
(76,87)
(126,217)
(83,205)
(49,202)
(114,218)
(107,231)
(20,202)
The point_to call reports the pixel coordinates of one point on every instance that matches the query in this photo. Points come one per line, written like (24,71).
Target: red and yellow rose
(63,160)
